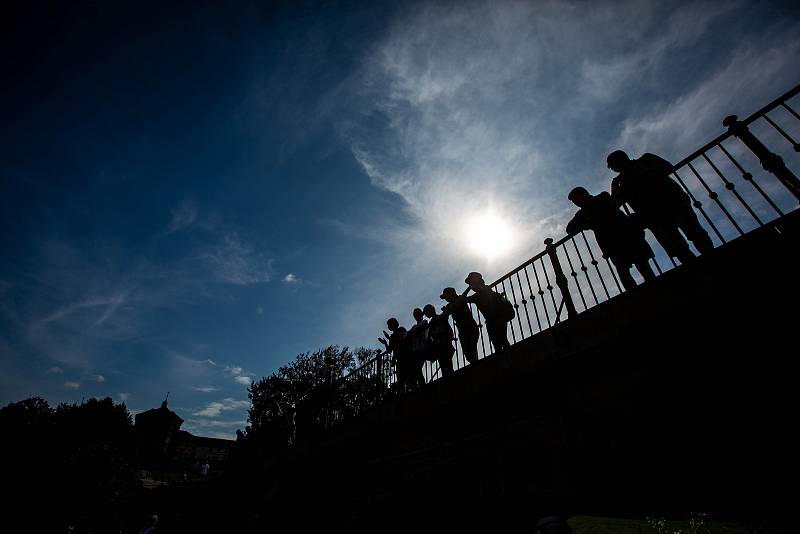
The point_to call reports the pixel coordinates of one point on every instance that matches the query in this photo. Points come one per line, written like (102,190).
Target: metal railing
(572,275)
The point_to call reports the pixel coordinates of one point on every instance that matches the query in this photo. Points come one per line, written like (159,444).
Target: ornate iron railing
(571,275)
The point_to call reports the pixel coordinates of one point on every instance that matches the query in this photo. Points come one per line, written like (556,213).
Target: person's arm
(577,224)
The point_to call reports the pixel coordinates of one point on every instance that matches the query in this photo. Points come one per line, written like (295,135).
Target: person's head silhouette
(474,280)
(579,196)
(449,294)
(618,161)
(429,311)
(393,324)
(418,315)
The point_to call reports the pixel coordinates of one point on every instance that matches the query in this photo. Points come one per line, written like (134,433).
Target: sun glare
(489,235)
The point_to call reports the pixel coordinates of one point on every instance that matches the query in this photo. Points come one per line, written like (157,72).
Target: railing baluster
(715,197)
(516,306)
(770,161)
(593,262)
(583,268)
(574,276)
(533,300)
(474,308)
(511,323)
(550,289)
(525,302)
(730,186)
(699,205)
(748,177)
(790,110)
(786,136)
(541,294)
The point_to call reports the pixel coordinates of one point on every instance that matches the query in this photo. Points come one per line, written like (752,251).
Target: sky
(194,193)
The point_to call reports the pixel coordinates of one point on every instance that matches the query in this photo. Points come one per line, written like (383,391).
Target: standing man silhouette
(418,336)
(491,306)
(468,332)
(665,208)
(440,339)
(398,344)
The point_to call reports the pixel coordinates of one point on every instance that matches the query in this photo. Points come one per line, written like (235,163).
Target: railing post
(770,161)
(561,280)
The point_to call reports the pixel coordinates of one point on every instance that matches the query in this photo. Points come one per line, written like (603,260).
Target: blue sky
(191,196)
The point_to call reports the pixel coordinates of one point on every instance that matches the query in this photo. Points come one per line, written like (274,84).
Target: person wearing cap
(664,207)
(488,302)
(619,238)
(468,333)
(440,339)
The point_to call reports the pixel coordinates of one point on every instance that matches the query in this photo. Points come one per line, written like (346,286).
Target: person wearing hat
(468,333)
(618,236)
(645,185)
(440,339)
(490,306)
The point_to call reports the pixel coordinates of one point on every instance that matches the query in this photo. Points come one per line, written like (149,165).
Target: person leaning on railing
(468,333)
(665,208)
(493,308)
(619,238)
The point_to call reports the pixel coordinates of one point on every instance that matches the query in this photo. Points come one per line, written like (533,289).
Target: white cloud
(55,370)
(240,376)
(99,379)
(214,409)
(72,385)
(123,396)
(291,279)
(205,389)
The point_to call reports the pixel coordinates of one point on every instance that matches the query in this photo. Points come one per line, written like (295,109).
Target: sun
(489,235)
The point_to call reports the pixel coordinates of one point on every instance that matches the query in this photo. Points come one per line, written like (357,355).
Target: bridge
(679,392)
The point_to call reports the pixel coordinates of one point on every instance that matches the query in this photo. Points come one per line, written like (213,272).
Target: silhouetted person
(468,333)
(664,207)
(418,336)
(620,238)
(440,339)
(398,344)
(491,305)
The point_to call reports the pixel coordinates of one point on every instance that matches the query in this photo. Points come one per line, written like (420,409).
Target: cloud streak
(215,408)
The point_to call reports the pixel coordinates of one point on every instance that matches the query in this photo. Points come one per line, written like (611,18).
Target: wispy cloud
(99,379)
(205,389)
(469,106)
(215,408)
(55,370)
(72,385)
(123,396)
(182,217)
(290,279)
(235,262)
